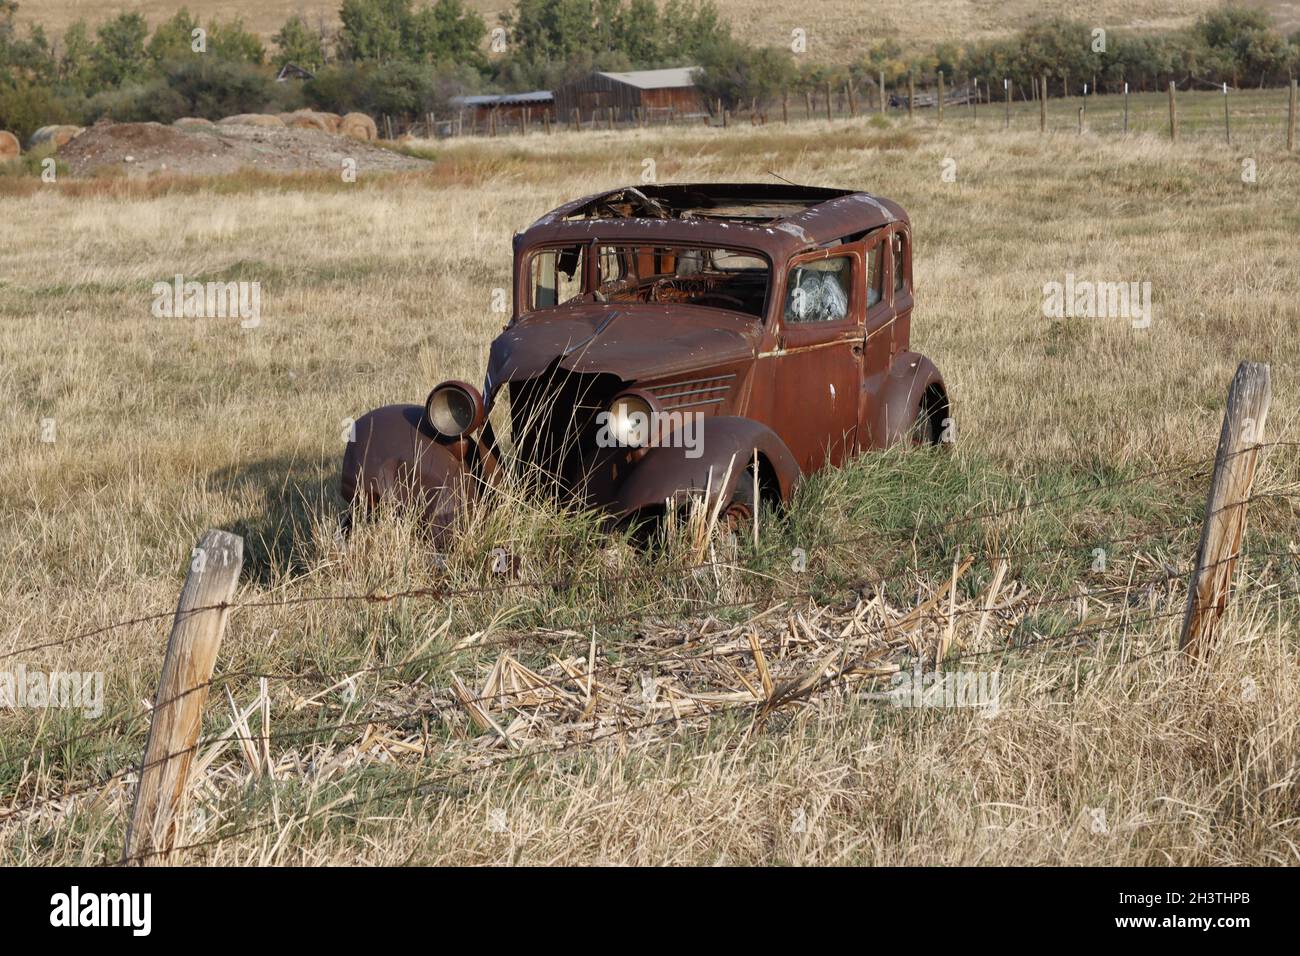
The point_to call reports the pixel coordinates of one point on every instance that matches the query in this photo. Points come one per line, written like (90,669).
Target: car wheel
(739,512)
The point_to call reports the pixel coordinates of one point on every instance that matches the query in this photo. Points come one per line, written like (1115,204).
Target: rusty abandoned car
(666,342)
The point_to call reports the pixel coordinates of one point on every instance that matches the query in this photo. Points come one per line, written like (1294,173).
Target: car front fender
(726,446)
(394,456)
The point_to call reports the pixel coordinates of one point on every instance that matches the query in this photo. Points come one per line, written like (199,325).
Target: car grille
(705,394)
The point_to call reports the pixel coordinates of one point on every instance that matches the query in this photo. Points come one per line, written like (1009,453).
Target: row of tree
(408,57)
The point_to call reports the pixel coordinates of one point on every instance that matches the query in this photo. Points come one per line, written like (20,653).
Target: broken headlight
(454,409)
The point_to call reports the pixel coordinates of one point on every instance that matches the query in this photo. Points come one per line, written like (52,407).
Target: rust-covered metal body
(759,323)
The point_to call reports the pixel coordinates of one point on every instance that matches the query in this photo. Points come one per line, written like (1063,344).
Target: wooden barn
(656,92)
(510,108)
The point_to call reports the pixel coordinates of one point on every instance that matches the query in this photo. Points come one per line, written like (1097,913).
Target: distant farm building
(649,93)
(510,108)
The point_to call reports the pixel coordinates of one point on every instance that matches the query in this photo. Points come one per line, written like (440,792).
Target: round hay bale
(192,122)
(359,126)
(10,148)
(251,119)
(59,136)
(306,119)
(333,119)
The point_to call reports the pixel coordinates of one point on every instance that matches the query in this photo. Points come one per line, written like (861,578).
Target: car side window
(900,258)
(875,274)
(819,291)
(555,276)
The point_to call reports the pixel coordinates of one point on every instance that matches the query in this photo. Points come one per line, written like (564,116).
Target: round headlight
(454,409)
(630,420)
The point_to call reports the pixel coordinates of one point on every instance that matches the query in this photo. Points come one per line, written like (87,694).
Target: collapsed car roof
(781,219)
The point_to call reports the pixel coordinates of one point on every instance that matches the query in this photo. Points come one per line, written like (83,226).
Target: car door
(818,359)
(880,340)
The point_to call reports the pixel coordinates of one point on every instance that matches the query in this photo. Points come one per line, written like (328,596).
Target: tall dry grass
(373,292)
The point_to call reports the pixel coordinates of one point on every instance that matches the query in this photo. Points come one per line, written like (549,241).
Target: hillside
(834,27)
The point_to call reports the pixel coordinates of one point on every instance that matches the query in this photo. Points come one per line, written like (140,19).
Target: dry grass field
(1103,749)
(835,28)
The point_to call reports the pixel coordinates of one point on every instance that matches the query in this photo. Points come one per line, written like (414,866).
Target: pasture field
(835,28)
(1080,434)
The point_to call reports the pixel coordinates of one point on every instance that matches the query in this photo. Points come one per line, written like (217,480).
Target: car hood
(634,341)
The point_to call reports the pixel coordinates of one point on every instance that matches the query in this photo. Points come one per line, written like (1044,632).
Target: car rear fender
(912,378)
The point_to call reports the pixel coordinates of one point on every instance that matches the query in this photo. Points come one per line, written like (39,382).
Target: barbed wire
(887,630)
(568,582)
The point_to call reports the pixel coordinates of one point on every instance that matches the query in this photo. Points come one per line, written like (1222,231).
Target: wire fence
(1025,636)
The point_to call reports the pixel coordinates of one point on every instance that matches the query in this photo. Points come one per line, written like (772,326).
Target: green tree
(76,65)
(741,75)
(445,32)
(119,55)
(372,29)
(231,42)
(297,43)
(173,38)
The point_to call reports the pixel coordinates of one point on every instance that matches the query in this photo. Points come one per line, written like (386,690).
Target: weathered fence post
(1006,88)
(1225,510)
(1042,105)
(785,107)
(1290,118)
(1227,127)
(853,103)
(829,100)
(939,102)
(1126,107)
(183,685)
(882,91)
(911,94)
(1173,114)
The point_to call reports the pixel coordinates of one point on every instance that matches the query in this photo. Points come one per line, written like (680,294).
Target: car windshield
(716,278)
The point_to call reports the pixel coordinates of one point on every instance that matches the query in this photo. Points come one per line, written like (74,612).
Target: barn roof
(655,79)
(503,99)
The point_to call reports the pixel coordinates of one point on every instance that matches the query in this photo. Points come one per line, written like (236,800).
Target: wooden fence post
(829,101)
(785,106)
(1225,509)
(1227,124)
(911,94)
(1173,114)
(1290,119)
(853,104)
(1126,107)
(882,91)
(182,693)
(1042,105)
(1006,89)
(939,102)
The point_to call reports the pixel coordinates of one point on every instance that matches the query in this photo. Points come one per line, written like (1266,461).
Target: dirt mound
(140,149)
